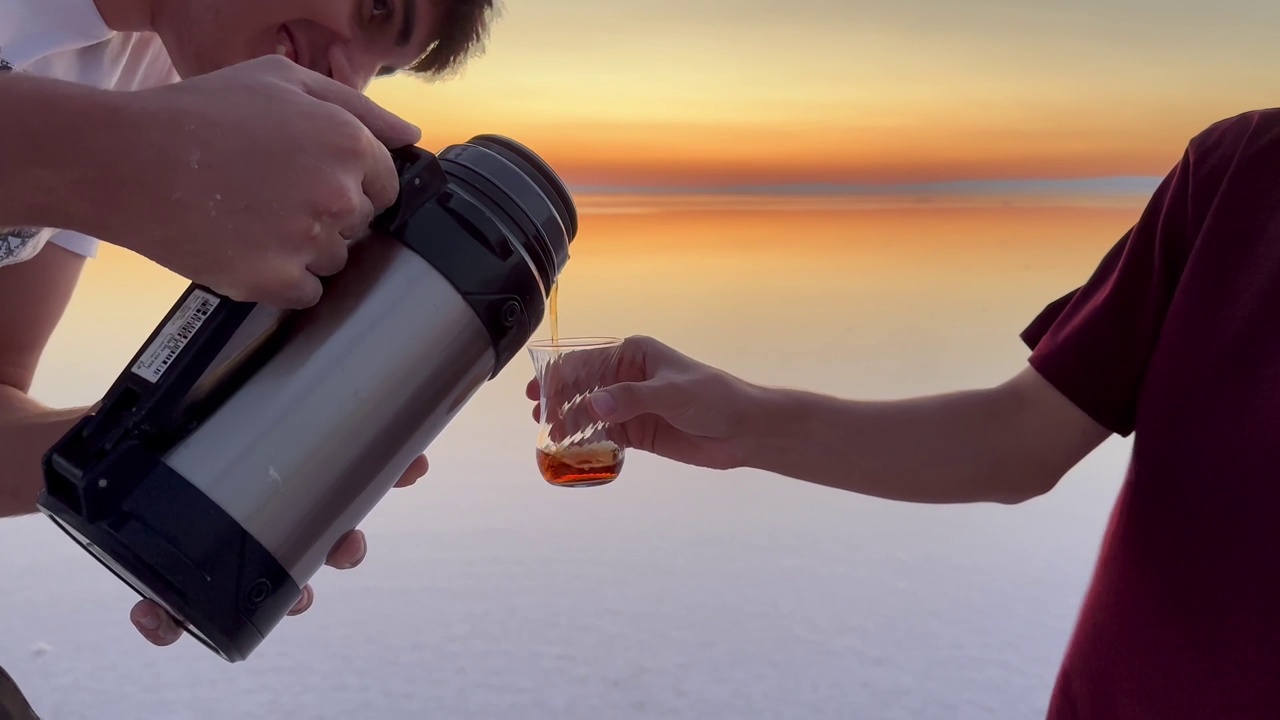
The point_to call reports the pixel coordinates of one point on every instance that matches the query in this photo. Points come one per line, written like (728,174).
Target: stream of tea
(553,310)
(574,465)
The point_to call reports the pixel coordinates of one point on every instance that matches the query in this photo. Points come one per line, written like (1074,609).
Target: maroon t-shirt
(1176,339)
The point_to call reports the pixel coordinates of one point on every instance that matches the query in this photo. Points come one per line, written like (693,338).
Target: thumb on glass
(624,401)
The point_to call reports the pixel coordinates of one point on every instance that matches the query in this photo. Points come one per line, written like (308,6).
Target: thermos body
(242,442)
(362,384)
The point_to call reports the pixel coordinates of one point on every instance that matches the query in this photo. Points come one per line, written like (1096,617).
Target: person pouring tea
(1171,340)
(160,127)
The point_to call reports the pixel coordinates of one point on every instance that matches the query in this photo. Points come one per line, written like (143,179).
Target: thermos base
(174,545)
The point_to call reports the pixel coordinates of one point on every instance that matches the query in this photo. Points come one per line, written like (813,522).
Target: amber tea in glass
(575,449)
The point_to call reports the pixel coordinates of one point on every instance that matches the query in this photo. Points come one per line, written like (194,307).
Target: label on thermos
(175,334)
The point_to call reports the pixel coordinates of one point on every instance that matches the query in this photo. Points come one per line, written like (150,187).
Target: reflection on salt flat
(673,592)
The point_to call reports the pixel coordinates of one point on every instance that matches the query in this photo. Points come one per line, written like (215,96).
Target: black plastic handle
(421,179)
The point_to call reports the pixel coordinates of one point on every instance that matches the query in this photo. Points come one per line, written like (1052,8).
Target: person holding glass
(1172,340)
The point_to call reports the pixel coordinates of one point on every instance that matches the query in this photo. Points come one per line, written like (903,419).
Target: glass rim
(574,343)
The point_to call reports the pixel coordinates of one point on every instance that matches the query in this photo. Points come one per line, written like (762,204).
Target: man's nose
(353,63)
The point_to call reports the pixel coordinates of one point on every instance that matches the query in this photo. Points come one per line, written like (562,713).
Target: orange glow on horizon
(701,157)
(615,93)
(693,154)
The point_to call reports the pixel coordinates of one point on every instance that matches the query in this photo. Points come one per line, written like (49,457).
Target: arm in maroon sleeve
(1014,441)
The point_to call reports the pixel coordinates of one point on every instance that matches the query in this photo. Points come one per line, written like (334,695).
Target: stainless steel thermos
(241,442)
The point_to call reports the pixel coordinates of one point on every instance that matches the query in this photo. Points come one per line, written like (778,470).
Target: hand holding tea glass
(598,396)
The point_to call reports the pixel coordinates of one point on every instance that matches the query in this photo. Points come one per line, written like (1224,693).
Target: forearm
(970,446)
(55,138)
(27,430)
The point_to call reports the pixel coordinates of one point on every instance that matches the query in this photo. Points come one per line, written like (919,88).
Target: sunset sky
(713,92)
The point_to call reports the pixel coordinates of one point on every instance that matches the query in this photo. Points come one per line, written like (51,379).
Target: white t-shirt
(68,40)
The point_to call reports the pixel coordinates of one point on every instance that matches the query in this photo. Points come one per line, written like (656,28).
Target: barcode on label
(175,334)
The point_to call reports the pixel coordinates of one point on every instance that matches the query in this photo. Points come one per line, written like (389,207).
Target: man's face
(348,40)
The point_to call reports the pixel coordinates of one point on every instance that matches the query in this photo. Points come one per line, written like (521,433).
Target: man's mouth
(285,44)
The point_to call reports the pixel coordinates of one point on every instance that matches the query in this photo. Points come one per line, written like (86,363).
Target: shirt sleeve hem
(1059,372)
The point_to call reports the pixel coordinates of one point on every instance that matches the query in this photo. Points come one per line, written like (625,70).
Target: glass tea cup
(575,449)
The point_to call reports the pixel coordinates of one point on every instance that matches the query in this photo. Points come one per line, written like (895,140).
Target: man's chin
(188,68)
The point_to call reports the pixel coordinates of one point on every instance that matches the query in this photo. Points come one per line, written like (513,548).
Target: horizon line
(1106,185)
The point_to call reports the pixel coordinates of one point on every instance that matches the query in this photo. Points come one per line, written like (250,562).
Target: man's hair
(464,26)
